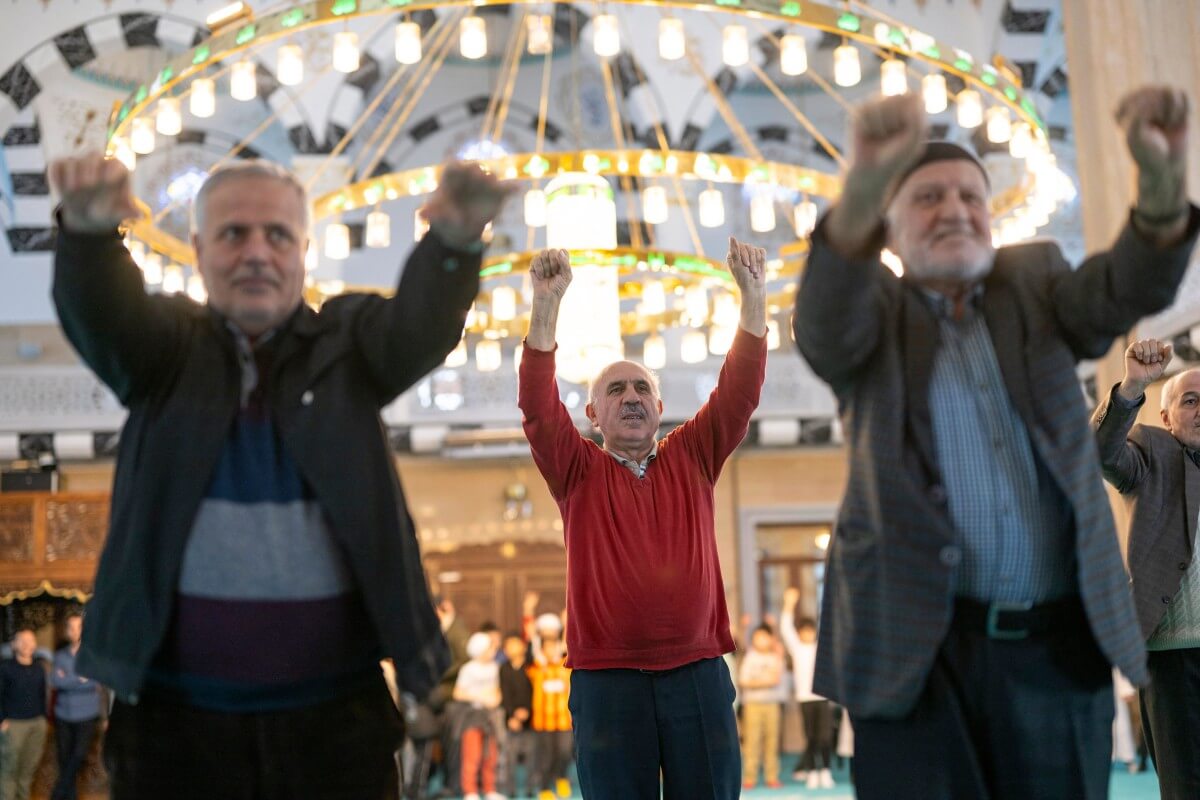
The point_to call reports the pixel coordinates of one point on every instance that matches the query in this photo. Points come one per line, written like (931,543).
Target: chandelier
(655,286)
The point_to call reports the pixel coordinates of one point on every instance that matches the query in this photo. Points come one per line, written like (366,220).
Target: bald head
(1181,407)
(603,376)
(1176,383)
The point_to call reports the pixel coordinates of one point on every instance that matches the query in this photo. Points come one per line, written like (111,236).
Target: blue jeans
(630,724)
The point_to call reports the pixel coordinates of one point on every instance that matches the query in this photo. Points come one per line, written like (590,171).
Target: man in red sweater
(649,691)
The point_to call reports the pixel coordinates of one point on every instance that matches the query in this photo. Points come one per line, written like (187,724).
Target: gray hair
(594,384)
(248,168)
(1171,387)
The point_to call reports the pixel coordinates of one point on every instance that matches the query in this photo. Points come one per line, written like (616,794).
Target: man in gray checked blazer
(1157,472)
(975,596)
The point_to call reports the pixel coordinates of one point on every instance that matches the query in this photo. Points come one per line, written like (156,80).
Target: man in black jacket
(260,558)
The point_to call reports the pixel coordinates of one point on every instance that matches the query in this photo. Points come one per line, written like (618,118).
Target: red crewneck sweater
(644,586)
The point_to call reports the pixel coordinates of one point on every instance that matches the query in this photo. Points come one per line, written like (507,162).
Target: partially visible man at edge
(260,558)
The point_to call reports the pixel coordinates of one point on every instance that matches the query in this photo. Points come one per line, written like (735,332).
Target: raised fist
(1145,361)
(550,273)
(465,201)
(888,136)
(95,192)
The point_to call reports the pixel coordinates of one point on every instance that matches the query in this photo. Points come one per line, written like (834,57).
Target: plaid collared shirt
(1013,521)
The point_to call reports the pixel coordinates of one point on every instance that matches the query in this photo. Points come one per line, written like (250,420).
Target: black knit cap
(935,150)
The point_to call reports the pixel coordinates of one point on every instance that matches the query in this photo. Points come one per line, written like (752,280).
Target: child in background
(814,709)
(478,686)
(760,677)
(551,720)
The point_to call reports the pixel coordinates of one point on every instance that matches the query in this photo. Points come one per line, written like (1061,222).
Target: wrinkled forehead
(254,199)
(942,174)
(622,372)
(1185,383)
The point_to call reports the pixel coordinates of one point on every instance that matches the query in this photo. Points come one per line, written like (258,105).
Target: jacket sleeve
(560,452)
(722,422)
(125,335)
(1112,290)
(403,337)
(839,311)
(1122,461)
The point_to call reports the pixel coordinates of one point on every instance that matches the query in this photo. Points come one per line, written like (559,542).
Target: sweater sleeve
(722,422)
(560,452)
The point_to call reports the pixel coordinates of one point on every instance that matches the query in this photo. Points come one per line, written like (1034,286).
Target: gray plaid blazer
(1160,485)
(889,584)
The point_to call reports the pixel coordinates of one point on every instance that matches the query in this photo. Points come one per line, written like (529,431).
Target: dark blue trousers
(630,725)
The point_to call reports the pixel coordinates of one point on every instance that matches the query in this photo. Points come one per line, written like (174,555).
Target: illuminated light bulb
(504,303)
(420,226)
(654,205)
(141,137)
(196,290)
(312,258)
(337,241)
(408,42)
(793,55)
(379,230)
(694,347)
(535,208)
(169,119)
(933,90)
(1021,142)
(773,340)
(152,268)
(606,39)
(846,69)
(345,51)
(472,38)
(672,42)
(882,33)
(289,65)
(762,213)
(725,310)
(970,109)
(712,208)
(172,280)
(243,80)
(122,151)
(654,352)
(458,356)
(735,45)
(539,31)
(654,298)
(893,77)
(488,355)
(999,126)
(804,218)
(202,101)
(518,352)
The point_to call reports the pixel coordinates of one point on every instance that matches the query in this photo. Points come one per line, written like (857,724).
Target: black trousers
(552,758)
(1171,721)
(633,726)
(997,720)
(343,749)
(72,740)
(818,734)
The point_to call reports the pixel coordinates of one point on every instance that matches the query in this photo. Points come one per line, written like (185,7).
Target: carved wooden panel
(75,529)
(16,531)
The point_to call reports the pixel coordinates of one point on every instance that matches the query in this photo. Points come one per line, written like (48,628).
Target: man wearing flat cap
(975,600)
